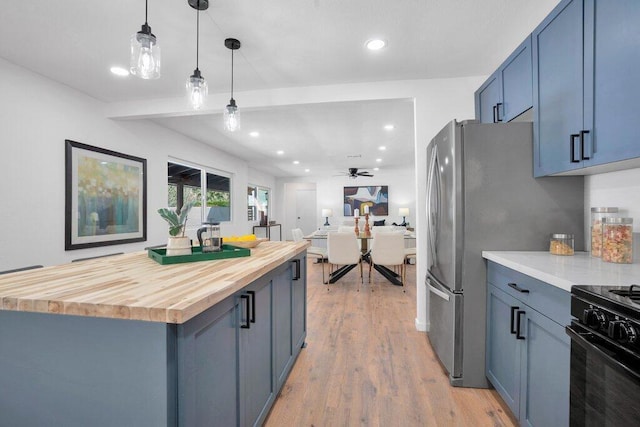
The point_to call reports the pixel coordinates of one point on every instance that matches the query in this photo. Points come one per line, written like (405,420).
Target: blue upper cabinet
(584,54)
(488,100)
(558,90)
(612,61)
(517,82)
(508,92)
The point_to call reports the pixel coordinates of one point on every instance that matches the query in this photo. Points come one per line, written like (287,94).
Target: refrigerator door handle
(438,292)
(432,216)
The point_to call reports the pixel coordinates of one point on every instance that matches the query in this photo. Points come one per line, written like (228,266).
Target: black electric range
(605,355)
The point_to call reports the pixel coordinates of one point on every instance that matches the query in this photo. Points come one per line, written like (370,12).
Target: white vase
(180,245)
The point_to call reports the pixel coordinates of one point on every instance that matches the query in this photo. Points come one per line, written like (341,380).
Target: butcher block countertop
(135,287)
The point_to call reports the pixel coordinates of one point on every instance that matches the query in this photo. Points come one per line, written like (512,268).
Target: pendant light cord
(197,34)
(146,10)
(231,73)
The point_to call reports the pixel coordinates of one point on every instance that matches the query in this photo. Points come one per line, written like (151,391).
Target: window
(257,203)
(211,190)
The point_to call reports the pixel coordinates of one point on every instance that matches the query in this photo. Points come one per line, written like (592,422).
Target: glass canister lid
(618,221)
(562,236)
(604,210)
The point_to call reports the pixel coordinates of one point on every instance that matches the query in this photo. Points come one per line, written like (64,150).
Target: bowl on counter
(247,244)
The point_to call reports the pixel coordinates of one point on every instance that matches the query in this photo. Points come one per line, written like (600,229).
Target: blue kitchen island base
(224,366)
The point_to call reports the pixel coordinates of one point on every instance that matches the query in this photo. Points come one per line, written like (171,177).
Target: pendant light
(145,52)
(197,87)
(231,113)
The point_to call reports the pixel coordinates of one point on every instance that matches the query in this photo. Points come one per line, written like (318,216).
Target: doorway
(306,212)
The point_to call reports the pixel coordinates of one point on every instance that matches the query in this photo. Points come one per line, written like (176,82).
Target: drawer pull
(518,288)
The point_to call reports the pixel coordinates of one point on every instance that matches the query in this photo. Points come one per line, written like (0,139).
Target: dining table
(364,238)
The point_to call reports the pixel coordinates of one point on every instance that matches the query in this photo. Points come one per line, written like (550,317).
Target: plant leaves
(170,216)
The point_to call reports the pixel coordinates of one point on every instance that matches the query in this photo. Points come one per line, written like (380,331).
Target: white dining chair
(343,249)
(387,249)
(314,252)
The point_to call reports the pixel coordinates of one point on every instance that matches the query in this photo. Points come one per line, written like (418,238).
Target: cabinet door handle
(582,156)
(495,118)
(518,325)
(297,270)
(572,144)
(253,305)
(247,325)
(518,288)
(498,105)
(513,318)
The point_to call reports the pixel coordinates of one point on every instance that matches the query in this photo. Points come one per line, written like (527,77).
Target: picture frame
(105,197)
(376,197)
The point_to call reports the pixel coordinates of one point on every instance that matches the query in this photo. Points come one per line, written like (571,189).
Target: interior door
(306,210)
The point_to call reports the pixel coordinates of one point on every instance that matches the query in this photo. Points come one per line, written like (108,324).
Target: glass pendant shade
(231,116)
(145,54)
(197,89)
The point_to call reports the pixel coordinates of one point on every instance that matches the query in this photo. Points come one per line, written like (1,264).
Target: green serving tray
(228,251)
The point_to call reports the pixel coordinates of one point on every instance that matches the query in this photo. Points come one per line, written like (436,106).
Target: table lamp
(403,212)
(326,213)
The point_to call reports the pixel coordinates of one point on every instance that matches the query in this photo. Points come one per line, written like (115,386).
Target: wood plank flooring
(365,364)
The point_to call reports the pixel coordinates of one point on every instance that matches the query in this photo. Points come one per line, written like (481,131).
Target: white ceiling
(285,44)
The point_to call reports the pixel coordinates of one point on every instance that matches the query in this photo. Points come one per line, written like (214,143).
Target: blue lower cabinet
(257,387)
(208,367)
(299,303)
(545,358)
(528,352)
(282,312)
(503,349)
(234,358)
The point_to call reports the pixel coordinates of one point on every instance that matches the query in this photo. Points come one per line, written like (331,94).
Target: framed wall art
(105,197)
(375,198)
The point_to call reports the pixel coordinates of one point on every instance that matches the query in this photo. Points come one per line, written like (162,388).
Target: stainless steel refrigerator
(481,195)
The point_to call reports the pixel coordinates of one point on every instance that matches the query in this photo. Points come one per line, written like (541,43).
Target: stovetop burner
(632,292)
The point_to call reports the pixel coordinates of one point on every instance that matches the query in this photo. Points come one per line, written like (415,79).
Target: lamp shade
(403,212)
(327,212)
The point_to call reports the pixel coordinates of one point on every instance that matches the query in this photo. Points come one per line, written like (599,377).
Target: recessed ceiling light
(376,169)
(375,44)
(280,152)
(378,160)
(295,162)
(389,127)
(382,148)
(119,71)
(254,134)
(307,170)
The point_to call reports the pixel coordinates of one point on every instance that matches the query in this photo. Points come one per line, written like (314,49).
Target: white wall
(36,116)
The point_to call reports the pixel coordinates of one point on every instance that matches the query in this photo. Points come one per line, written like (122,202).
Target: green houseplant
(178,243)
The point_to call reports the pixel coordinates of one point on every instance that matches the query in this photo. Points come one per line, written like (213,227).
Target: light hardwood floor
(365,364)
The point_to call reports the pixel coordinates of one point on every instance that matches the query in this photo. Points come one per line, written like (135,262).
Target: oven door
(605,381)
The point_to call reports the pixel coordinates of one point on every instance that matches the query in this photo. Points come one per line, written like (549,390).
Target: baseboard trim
(421,326)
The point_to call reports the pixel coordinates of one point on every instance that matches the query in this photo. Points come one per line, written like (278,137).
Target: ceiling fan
(353,173)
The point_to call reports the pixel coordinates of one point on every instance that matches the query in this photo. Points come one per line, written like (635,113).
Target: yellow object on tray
(245,241)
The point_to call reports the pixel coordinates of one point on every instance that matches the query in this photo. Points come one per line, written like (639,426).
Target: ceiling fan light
(197,89)
(231,116)
(145,54)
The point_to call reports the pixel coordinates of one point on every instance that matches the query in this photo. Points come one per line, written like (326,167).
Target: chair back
(297,234)
(342,248)
(388,249)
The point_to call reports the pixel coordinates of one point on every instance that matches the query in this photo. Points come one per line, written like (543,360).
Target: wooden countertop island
(125,341)
(133,286)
